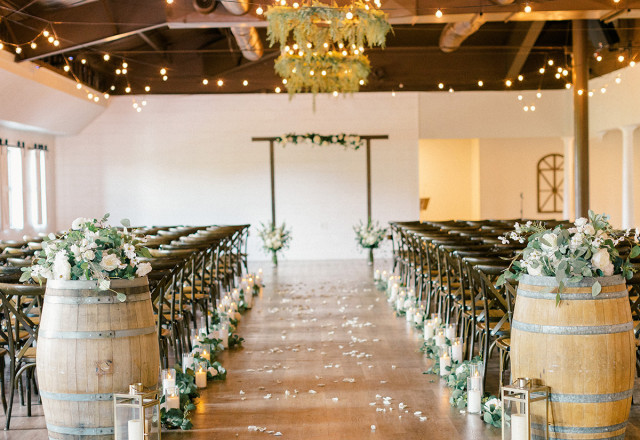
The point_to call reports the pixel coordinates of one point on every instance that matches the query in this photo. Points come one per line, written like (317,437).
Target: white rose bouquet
(274,239)
(588,249)
(90,250)
(370,235)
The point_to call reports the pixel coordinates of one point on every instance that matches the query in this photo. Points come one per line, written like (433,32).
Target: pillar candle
(204,355)
(248,300)
(384,276)
(224,335)
(445,361)
(418,317)
(376,275)
(456,352)
(474,400)
(440,339)
(450,332)
(173,401)
(519,427)
(201,378)
(136,429)
(168,382)
(409,314)
(395,289)
(399,303)
(187,362)
(428,331)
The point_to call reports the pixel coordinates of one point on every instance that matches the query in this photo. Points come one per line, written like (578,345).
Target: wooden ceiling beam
(527,43)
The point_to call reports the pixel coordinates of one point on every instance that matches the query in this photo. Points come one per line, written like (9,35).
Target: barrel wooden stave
(100,366)
(586,367)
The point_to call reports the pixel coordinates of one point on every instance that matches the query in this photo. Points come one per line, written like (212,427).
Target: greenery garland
(346,140)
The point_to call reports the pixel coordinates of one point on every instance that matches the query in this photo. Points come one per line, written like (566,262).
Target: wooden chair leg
(28,373)
(12,372)
(4,398)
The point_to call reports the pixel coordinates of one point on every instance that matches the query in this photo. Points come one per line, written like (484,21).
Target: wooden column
(273,183)
(581,115)
(568,196)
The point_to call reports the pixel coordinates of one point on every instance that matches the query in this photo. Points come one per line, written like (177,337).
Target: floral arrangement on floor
(346,140)
(369,236)
(91,250)
(588,249)
(274,239)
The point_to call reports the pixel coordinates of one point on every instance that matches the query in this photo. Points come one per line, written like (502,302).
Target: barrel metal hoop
(572,329)
(590,398)
(71,397)
(105,299)
(79,431)
(572,296)
(615,437)
(580,429)
(113,334)
(93,284)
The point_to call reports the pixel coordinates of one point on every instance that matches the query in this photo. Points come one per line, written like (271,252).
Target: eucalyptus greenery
(346,140)
(588,249)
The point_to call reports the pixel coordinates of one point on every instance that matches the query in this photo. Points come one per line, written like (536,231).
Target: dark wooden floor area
(322,351)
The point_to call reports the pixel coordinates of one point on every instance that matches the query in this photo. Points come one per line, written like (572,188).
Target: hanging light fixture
(328,40)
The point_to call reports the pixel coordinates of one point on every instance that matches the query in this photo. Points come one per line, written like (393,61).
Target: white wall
(190,159)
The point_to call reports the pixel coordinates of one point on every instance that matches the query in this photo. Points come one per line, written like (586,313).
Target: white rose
(75,250)
(589,229)
(581,222)
(110,262)
(495,401)
(129,250)
(88,255)
(601,260)
(61,266)
(549,242)
(537,270)
(77,224)
(143,269)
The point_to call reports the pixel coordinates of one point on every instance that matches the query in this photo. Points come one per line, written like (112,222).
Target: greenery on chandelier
(327,44)
(346,140)
(328,72)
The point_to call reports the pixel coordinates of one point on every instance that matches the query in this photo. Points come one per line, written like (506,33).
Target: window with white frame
(38,187)
(15,190)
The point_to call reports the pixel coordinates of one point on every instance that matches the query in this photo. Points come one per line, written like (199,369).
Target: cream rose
(601,260)
(110,262)
(61,266)
(143,269)
(549,242)
(78,223)
(535,270)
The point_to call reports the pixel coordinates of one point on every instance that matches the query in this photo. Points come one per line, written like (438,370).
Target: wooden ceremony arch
(272,140)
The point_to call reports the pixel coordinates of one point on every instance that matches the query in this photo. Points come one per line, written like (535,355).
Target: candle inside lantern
(474,400)
(450,331)
(201,378)
(172,399)
(395,289)
(456,350)
(187,362)
(440,339)
(519,427)
(135,429)
(418,317)
(399,303)
(428,330)
(376,275)
(436,319)
(409,314)
(384,276)
(248,300)
(204,355)
(445,361)
(168,380)
(235,294)
(224,335)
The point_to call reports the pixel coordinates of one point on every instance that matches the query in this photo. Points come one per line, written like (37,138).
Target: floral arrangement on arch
(274,239)
(369,235)
(588,249)
(91,250)
(346,140)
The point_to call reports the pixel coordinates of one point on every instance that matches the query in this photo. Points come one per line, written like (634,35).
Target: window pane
(43,188)
(16,207)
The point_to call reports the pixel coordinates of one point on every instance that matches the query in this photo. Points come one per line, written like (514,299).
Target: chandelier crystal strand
(327,44)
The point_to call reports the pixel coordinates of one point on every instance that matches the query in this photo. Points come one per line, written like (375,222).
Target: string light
(220,83)
(550,62)
(558,76)
(147,88)
(56,43)
(532,108)
(590,94)
(284,81)
(45,33)
(565,72)
(393,93)
(632,63)
(603,90)
(169,2)
(259,11)
(205,81)
(106,57)
(580,92)
(538,95)
(618,80)
(519,97)
(441,86)
(245,83)
(527,8)
(127,90)
(526,108)
(163,71)
(50,39)
(361,82)
(451,90)
(278,90)
(118,71)
(598,57)
(620,58)
(296,5)
(78,86)
(480,83)
(349,15)
(508,83)
(106,96)
(33,45)
(567,86)
(541,70)
(66,68)
(165,77)
(520,77)
(83,61)
(439,13)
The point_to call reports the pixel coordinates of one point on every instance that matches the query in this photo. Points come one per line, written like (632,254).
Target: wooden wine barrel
(91,345)
(583,349)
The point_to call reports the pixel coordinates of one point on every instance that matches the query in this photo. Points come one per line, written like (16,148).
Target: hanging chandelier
(322,46)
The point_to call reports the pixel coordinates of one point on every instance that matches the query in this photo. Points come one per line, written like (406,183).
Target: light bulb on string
(33,45)
(278,89)
(165,77)
(439,13)
(78,86)
(83,61)
(125,64)
(480,83)
(526,108)
(139,109)
(532,108)
(520,78)
(147,88)
(590,94)
(118,71)
(220,83)
(96,98)
(163,71)
(18,50)
(565,72)
(541,70)
(113,88)
(127,89)
(245,83)
(598,58)
(66,68)
(106,96)
(284,80)
(620,58)
(361,82)
(508,83)
(296,5)
(527,8)
(618,80)
(106,57)
(56,43)
(550,62)
(50,39)
(520,98)
(45,33)
(558,76)
(538,95)
(441,86)
(1,46)
(349,15)
(144,102)
(603,90)
(124,71)
(259,11)
(169,2)
(559,69)
(451,90)
(205,81)
(567,86)
(632,63)
(580,92)
(335,93)
(393,93)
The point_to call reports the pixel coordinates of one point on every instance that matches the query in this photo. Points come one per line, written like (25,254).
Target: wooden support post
(581,115)
(273,183)
(368,180)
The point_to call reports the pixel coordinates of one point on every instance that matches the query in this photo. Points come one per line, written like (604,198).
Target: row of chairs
(454,267)
(192,267)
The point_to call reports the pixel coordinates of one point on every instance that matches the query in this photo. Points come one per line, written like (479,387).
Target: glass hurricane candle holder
(474,394)
(168,379)
(445,360)
(525,410)
(456,350)
(137,414)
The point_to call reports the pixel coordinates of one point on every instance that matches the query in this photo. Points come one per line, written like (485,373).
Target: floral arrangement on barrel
(91,250)
(346,140)
(274,239)
(369,236)
(588,249)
